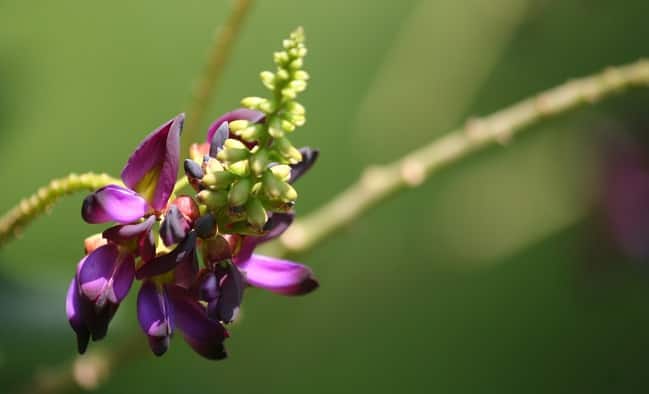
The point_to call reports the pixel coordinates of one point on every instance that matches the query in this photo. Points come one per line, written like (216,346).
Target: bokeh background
(497,275)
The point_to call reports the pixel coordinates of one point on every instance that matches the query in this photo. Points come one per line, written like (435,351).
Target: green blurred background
(492,277)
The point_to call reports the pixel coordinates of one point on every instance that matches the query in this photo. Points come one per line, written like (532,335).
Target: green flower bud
(268,79)
(213,200)
(239,192)
(301,75)
(288,193)
(288,94)
(272,186)
(217,180)
(287,44)
(256,213)
(280,57)
(240,168)
(267,107)
(298,85)
(287,126)
(283,74)
(275,127)
(213,165)
(251,133)
(296,64)
(287,150)
(295,108)
(238,125)
(281,172)
(233,151)
(253,102)
(259,161)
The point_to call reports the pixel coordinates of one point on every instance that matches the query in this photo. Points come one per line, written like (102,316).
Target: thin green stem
(13,222)
(208,80)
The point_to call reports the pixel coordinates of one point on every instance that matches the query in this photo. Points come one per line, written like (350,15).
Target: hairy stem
(377,183)
(206,83)
(12,222)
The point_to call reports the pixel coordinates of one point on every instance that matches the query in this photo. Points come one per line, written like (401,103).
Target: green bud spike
(295,108)
(213,200)
(256,213)
(239,192)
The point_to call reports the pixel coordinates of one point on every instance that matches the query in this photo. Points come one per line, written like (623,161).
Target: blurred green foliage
(476,282)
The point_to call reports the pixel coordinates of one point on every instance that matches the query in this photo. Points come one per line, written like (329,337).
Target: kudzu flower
(243,176)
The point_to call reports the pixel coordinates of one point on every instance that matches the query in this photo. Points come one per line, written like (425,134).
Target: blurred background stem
(224,39)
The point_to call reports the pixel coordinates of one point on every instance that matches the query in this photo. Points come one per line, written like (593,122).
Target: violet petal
(220,135)
(74,313)
(155,316)
(205,336)
(113,203)
(279,276)
(96,272)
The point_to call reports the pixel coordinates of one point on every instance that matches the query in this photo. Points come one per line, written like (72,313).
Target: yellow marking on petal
(148,184)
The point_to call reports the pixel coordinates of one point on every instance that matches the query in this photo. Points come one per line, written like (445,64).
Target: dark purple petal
(146,247)
(127,232)
(155,316)
(209,288)
(238,114)
(279,276)
(205,336)
(232,287)
(220,135)
(123,278)
(205,226)
(186,271)
(153,168)
(309,157)
(193,169)
(167,262)
(74,313)
(98,318)
(174,227)
(113,203)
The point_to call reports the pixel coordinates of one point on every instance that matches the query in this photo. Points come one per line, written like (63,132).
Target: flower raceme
(194,255)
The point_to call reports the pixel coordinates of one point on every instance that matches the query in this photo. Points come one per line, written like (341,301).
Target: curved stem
(378,183)
(219,52)
(12,222)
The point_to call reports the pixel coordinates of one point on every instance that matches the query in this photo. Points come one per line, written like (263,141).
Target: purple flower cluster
(193,274)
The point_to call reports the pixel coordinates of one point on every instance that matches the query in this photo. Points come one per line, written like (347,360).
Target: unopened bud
(298,85)
(237,125)
(282,74)
(239,192)
(287,126)
(280,57)
(213,200)
(187,207)
(268,79)
(296,64)
(288,151)
(259,161)
(193,169)
(295,108)
(281,172)
(218,180)
(256,213)
(240,168)
(252,102)
(301,75)
(205,226)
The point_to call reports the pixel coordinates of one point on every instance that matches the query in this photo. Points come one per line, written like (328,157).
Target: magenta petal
(74,312)
(238,114)
(113,203)
(279,276)
(205,336)
(153,168)
(155,316)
